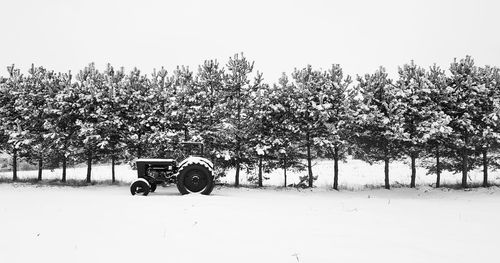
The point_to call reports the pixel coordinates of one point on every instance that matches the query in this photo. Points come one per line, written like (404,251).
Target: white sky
(278,35)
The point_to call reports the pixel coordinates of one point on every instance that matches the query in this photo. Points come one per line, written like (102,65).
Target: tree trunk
(89,166)
(336,168)
(464,168)
(485,168)
(284,169)
(260,171)
(113,169)
(186,134)
(14,165)
(386,173)
(64,169)
(40,168)
(237,175)
(438,169)
(139,148)
(238,140)
(309,163)
(413,170)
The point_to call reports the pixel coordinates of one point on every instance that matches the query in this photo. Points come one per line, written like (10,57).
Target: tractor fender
(196,160)
(141,179)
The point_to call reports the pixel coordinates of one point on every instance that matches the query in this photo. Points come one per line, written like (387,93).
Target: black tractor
(193,174)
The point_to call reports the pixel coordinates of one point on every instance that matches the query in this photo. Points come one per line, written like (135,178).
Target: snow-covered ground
(354,175)
(107,224)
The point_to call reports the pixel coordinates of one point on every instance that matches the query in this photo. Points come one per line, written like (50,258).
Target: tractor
(193,174)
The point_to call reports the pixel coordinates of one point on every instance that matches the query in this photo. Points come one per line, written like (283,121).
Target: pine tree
(160,119)
(415,95)
(462,107)
(486,120)
(308,93)
(13,120)
(235,99)
(63,111)
(284,134)
(209,80)
(136,108)
(91,97)
(336,115)
(378,121)
(184,103)
(436,127)
(261,128)
(38,92)
(4,102)
(111,126)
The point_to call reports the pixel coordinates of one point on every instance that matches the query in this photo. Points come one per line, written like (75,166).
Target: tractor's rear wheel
(139,187)
(195,178)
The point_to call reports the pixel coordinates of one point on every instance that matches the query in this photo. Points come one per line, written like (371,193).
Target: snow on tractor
(192,175)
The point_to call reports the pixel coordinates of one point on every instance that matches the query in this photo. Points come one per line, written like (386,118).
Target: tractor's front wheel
(195,178)
(152,189)
(140,187)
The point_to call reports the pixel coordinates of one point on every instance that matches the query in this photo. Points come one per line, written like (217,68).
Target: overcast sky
(278,35)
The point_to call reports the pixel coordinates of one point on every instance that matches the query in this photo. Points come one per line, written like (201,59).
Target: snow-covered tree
(378,121)
(414,93)
(13,121)
(4,101)
(308,93)
(63,112)
(184,103)
(336,113)
(136,113)
(283,134)
(209,80)
(437,126)
(91,98)
(160,98)
(261,128)
(235,100)
(487,119)
(463,107)
(111,127)
(37,94)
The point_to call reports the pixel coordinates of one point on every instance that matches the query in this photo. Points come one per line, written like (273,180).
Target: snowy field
(354,175)
(106,224)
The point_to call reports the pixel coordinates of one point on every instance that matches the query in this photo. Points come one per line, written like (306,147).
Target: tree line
(54,119)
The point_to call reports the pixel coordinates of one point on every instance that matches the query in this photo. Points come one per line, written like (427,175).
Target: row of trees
(56,118)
